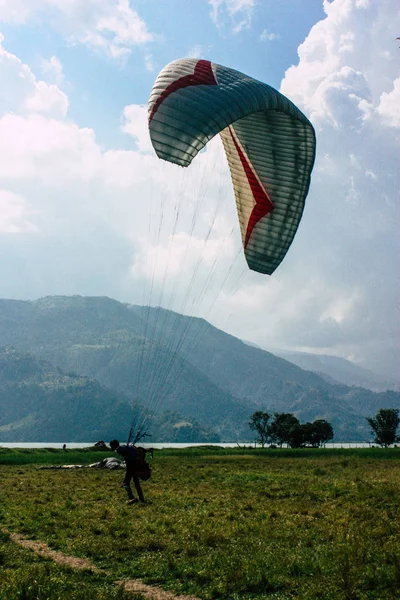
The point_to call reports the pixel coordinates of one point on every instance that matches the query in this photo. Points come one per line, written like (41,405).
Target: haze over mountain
(337,369)
(170,362)
(39,402)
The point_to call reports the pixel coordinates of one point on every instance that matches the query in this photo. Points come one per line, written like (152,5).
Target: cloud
(339,289)
(195,51)
(36,139)
(267,36)
(136,124)
(14,214)
(149,63)
(22,91)
(53,151)
(389,105)
(90,208)
(81,218)
(238,12)
(47,99)
(53,68)
(352,36)
(111,27)
(179,256)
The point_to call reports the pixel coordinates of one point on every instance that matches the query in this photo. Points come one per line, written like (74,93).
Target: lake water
(163,445)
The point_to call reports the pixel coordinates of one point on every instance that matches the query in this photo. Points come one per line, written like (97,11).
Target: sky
(87,208)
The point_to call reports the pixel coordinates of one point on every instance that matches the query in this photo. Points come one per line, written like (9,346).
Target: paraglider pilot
(136,468)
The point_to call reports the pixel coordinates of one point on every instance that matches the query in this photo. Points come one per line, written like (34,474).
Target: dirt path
(149,592)
(130,585)
(56,556)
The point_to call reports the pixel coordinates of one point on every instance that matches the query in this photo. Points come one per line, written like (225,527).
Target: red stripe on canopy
(263,204)
(202,75)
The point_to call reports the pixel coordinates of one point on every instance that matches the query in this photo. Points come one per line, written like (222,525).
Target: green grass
(25,576)
(85,456)
(230,524)
(51,456)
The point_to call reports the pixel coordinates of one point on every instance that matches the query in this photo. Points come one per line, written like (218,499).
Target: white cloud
(339,98)
(195,51)
(100,216)
(136,124)
(90,207)
(22,92)
(354,35)
(149,63)
(238,12)
(35,137)
(43,148)
(53,68)
(47,99)
(338,290)
(267,36)
(389,105)
(109,26)
(179,254)
(341,307)
(18,11)
(14,214)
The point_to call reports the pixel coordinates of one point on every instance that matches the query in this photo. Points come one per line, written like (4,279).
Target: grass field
(230,524)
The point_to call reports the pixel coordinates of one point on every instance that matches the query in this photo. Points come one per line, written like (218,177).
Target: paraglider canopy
(269,144)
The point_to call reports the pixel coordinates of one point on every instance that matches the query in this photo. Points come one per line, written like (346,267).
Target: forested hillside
(178,364)
(38,402)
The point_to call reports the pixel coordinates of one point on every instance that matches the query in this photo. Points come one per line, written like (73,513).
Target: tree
(384,425)
(320,432)
(260,423)
(308,434)
(286,428)
(297,435)
(282,428)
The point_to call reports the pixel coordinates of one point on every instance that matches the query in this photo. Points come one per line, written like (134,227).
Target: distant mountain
(270,381)
(176,364)
(38,402)
(336,369)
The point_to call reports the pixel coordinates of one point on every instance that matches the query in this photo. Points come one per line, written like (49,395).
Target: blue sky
(80,185)
(99,86)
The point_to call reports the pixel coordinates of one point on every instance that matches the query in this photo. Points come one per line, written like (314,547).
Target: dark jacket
(129,455)
(135,460)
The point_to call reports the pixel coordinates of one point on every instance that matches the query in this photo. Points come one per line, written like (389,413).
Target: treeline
(285,428)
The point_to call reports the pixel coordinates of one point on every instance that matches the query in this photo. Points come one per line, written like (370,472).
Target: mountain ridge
(184,364)
(39,402)
(341,370)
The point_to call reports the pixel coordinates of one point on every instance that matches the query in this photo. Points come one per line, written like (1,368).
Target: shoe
(132,501)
